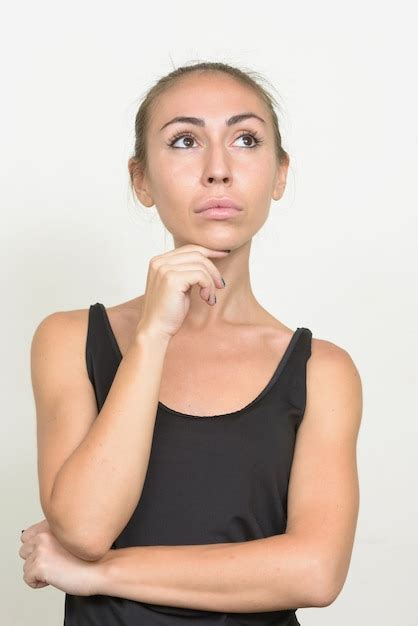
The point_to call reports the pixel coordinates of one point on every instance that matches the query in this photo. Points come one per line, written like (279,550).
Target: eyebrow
(198,121)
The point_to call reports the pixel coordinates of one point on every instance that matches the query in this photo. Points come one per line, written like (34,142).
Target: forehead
(199,96)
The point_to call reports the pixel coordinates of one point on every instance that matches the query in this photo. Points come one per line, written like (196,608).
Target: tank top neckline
(273,379)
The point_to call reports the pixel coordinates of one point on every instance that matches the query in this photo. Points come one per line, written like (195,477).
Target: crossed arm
(305,566)
(229,577)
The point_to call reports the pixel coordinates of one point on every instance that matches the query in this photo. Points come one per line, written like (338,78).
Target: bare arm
(92,466)
(324,494)
(307,565)
(270,574)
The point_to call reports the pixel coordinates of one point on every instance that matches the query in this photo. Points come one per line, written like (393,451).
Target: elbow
(85,550)
(326,586)
(75,541)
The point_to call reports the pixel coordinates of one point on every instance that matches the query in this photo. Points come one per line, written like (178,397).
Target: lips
(213,203)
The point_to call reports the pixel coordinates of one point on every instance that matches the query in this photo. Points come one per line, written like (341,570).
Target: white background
(337,254)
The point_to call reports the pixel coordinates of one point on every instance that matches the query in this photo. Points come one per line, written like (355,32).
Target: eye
(254,136)
(186,135)
(180,135)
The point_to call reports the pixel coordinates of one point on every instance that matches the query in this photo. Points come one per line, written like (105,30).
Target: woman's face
(211,158)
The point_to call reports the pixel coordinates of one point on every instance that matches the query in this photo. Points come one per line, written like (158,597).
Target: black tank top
(211,479)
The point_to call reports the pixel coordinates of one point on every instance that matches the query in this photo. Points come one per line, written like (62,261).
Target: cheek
(259,216)
(255,187)
(169,185)
(174,159)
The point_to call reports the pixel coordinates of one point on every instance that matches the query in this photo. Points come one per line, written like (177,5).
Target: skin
(217,162)
(236,329)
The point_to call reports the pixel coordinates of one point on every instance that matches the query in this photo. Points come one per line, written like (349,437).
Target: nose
(217,168)
(212,179)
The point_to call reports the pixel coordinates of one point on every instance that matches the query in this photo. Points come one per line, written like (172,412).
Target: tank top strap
(93,330)
(101,359)
(292,384)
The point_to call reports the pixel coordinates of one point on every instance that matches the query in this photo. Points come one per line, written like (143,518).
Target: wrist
(148,335)
(100,574)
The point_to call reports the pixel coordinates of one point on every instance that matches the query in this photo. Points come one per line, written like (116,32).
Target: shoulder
(75,321)
(330,359)
(333,382)
(68,329)
(59,341)
(62,324)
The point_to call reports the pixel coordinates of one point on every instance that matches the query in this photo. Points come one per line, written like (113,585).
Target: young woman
(196,457)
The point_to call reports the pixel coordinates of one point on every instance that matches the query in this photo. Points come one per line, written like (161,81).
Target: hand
(170,279)
(47,562)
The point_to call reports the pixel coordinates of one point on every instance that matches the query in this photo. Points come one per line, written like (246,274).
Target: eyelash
(181,133)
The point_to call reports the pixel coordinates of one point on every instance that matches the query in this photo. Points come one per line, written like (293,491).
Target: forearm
(113,458)
(274,573)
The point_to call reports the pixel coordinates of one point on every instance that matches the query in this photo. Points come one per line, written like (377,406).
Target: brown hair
(249,78)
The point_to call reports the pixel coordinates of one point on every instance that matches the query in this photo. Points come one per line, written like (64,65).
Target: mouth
(218,203)
(219,213)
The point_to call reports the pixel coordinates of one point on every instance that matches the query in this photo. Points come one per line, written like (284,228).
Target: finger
(32,530)
(29,533)
(205,292)
(192,258)
(197,276)
(25,550)
(38,584)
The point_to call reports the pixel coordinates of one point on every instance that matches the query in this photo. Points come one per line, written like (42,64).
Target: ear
(280,179)
(138,176)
